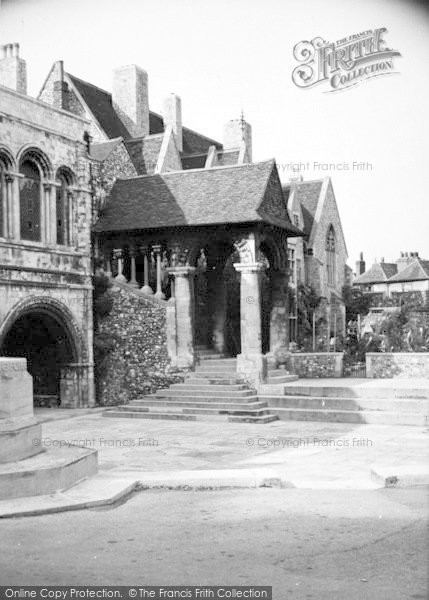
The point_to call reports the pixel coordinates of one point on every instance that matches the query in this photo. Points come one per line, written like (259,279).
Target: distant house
(408,274)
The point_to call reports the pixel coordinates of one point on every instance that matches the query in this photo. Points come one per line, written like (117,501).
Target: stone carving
(245,250)
(179,256)
(9,368)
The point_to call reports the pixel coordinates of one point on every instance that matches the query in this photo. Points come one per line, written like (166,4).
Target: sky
(226,56)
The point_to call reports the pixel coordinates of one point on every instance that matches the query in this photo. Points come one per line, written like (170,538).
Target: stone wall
(138,363)
(317,364)
(386,365)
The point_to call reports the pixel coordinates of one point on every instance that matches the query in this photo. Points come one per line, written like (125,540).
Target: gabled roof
(308,194)
(99,103)
(199,197)
(416,271)
(378,273)
(144,152)
(102,150)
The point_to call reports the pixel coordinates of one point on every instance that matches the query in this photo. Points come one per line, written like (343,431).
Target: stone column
(159,293)
(14,212)
(119,255)
(251,363)
(146,287)
(279,326)
(8,208)
(184,302)
(133,280)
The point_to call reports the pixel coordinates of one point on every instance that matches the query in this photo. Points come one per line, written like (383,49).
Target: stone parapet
(317,364)
(386,365)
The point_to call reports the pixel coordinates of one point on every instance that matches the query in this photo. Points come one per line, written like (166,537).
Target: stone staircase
(384,402)
(212,392)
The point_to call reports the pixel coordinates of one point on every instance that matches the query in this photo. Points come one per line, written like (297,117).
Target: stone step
(215,373)
(192,417)
(199,398)
(260,420)
(338,416)
(356,391)
(213,392)
(348,404)
(205,368)
(276,379)
(114,413)
(214,378)
(150,404)
(58,468)
(199,384)
(210,355)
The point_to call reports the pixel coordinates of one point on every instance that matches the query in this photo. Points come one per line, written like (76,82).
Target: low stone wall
(138,364)
(317,364)
(386,365)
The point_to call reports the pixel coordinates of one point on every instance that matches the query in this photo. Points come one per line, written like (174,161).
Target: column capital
(181,271)
(255,267)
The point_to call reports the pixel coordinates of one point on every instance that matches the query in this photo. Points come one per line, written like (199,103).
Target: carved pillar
(251,362)
(159,293)
(119,255)
(279,326)
(184,304)
(133,280)
(146,287)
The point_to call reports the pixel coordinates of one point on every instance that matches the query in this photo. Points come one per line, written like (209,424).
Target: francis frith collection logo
(345,63)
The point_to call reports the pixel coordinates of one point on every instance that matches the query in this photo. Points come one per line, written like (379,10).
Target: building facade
(45,242)
(318,259)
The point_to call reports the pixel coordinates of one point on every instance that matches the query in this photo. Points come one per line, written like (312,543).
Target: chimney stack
(172,115)
(130,99)
(238,135)
(405,259)
(360,265)
(61,89)
(13,70)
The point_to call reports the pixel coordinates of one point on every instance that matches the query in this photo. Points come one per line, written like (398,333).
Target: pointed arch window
(331,262)
(30,200)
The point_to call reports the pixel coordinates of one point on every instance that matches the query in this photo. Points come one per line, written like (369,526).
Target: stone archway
(44,331)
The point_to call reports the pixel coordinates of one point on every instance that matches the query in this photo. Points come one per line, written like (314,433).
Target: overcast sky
(224,55)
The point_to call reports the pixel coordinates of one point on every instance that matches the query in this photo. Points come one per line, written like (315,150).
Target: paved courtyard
(307,454)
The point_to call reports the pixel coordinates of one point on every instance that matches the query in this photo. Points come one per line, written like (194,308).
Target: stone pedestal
(184,314)
(251,363)
(18,427)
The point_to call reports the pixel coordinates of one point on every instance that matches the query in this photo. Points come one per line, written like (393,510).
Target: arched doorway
(42,337)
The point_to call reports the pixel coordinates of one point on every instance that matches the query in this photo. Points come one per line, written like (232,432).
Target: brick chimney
(172,115)
(61,89)
(238,135)
(13,70)
(130,99)
(360,265)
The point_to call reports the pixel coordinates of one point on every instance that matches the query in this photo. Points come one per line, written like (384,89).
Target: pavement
(142,454)
(306,544)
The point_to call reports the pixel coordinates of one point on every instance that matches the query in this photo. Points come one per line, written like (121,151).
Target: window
(331,257)
(296,219)
(291,264)
(63,211)
(30,201)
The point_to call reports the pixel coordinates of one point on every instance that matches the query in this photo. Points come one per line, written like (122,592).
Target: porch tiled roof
(202,197)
